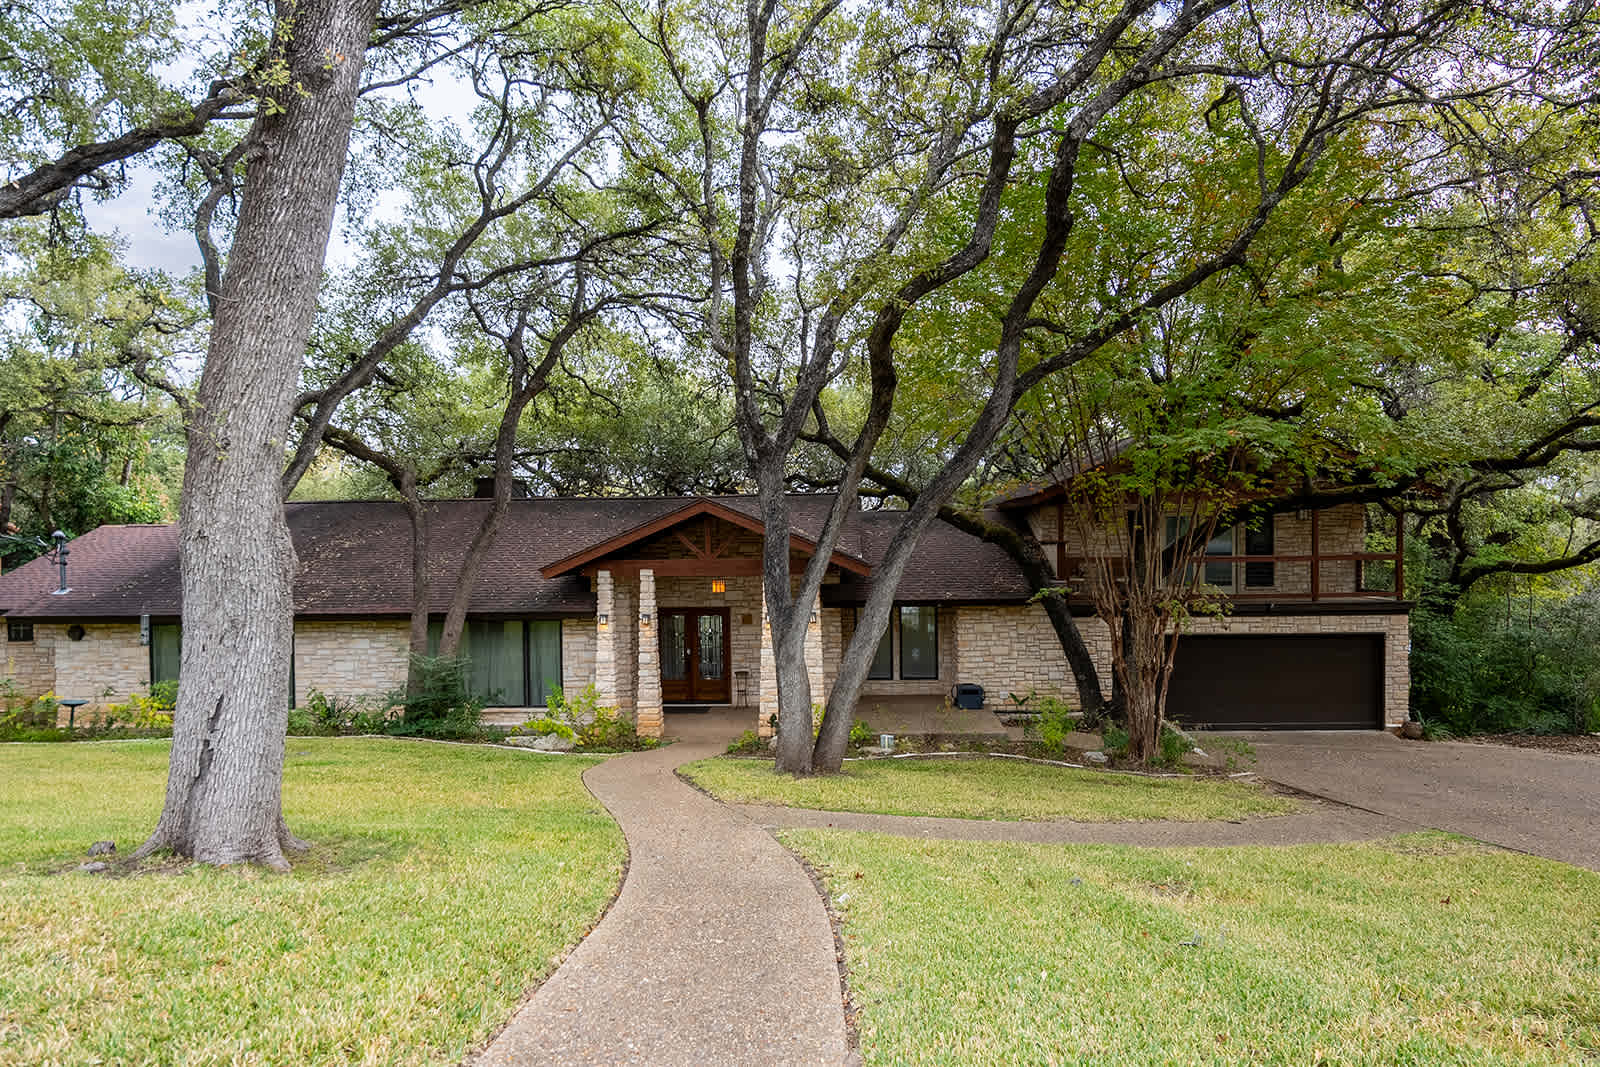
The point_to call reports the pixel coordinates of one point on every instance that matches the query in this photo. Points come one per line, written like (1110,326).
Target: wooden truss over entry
(707,549)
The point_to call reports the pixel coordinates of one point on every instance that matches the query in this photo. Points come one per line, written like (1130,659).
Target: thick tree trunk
(223,801)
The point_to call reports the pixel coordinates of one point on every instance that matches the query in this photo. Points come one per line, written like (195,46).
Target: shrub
(749,743)
(1173,746)
(1056,721)
(610,731)
(1486,669)
(1113,739)
(437,704)
(326,716)
(544,726)
(861,734)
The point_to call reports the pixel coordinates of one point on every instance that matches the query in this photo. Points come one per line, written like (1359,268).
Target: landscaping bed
(1424,949)
(445,882)
(986,788)
(1572,744)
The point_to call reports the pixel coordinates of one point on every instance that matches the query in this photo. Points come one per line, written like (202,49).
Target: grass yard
(445,882)
(1426,949)
(986,789)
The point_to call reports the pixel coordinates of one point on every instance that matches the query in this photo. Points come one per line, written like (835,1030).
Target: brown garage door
(1314,682)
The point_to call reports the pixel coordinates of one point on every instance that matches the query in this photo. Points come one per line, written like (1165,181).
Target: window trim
(14,627)
(900,621)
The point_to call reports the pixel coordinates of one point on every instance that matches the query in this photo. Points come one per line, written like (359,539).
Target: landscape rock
(103,848)
(1411,730)
(1098,758)
(552,743)
(875,750)
(94,868)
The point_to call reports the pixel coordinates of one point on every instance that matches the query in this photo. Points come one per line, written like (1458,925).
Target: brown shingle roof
(355,559)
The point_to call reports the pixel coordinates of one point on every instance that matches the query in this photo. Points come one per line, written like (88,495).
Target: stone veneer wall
(577,655)
(350,657)
(107,666)
(1014,649)
(30,664)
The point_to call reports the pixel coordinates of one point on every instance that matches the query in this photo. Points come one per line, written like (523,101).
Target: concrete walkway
(1320,823)
(1525,799)
(717,951)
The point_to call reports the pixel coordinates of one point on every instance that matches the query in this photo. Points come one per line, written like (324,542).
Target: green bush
(610,731)
(1174,746)
(1487,670)
(861,734)
(1056,720)
(749,743)
(1113,739)
(438,704)
(544,726)
(325,716)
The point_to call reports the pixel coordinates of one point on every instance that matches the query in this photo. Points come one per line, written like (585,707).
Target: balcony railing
(1076,567)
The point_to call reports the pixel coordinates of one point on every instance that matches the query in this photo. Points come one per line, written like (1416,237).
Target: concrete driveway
(1546,803)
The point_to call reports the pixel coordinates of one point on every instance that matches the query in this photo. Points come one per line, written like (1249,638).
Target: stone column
(648,711)
(813,650)
(767,681)
(605,640)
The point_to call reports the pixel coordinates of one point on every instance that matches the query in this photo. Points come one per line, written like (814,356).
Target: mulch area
(1572,744)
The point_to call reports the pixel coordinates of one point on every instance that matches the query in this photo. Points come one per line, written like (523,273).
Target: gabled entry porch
(680,618)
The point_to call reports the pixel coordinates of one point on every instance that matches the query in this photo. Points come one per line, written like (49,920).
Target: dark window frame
(888,635)
(1254,538)
(900,610)
(16,627)
(527,655)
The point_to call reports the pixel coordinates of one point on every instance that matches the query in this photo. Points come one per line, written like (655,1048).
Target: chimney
(483,488)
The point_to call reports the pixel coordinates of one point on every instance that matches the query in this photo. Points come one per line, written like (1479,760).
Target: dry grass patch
(445,882)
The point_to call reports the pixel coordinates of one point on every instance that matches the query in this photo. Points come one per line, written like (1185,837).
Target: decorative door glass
(711,654)
(674,648)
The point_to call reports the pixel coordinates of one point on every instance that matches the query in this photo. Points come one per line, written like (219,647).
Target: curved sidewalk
(1320,823)
(717,951)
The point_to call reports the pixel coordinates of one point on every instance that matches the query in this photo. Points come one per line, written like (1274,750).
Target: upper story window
(19,630)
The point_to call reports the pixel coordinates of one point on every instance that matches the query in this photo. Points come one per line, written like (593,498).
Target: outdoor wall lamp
(605,620)
(816,615)
(644,618)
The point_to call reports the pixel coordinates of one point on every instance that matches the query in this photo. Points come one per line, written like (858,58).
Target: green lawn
(446,881)
(986,789)
(1421,950)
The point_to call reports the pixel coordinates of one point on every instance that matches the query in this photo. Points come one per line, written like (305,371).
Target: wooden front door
(694,656)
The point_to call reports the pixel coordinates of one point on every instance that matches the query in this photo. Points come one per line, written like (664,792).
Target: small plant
(610,731)
(1434,730)
(749,744)
(1113,740)
(1056,721)
(1235,752)
(1173,746)
(544,726)
(1020,702)
(861,734)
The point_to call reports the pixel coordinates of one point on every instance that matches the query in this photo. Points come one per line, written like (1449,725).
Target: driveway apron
(717,951)
(1525,799)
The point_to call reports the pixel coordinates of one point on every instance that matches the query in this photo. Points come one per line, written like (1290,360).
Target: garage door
(1314,682)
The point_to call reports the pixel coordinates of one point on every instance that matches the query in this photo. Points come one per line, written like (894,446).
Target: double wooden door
(694,656)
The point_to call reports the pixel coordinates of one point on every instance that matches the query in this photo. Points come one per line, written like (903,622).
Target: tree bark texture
(223,801)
